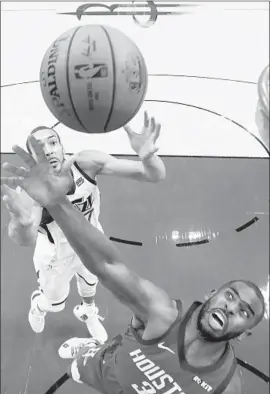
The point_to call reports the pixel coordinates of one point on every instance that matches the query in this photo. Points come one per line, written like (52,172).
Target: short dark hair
(256,290)
(38,129)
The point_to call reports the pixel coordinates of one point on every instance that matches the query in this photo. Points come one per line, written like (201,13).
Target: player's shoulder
(236,384)
(92,160)
(91,155)
(166,317)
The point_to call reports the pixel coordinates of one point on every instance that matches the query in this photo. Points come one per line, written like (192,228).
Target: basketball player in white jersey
(55,261)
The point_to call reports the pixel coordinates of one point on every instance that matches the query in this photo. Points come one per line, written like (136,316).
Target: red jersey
(130,365)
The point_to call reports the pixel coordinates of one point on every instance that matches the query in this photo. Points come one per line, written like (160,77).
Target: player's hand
(19,204)
(144,144)
(40,181)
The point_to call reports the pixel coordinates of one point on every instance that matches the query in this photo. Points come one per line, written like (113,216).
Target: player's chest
(157,369)
(159,372)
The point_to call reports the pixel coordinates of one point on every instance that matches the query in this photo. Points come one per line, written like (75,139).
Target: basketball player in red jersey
(163,350)
(55,261)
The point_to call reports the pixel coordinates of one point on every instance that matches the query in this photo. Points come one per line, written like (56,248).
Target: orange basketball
(93,79)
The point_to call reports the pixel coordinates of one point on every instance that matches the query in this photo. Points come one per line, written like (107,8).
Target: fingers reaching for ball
(18,171)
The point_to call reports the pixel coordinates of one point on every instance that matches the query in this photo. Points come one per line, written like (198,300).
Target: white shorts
(55,268)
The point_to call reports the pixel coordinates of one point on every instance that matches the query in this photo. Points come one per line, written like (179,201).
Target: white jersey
(51,241)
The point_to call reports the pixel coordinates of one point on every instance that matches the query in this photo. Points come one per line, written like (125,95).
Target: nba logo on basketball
(89,71)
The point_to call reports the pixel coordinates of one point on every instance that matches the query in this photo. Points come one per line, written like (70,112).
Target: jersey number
(147,388)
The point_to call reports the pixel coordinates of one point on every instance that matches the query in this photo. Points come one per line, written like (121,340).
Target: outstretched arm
(103,259)
(150,167)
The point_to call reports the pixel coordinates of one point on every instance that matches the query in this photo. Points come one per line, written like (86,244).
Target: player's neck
(199,350)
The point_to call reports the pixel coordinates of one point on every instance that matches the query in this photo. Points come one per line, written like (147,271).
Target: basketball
(93,79)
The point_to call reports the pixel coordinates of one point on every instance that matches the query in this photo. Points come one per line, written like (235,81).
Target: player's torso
(159,366)
(85,196)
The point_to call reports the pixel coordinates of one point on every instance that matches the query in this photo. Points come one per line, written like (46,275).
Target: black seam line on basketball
(214,113)
(89,284)
(124,241)
(203,77)
(246,225)
(254,370)
(114,79)
(68,84)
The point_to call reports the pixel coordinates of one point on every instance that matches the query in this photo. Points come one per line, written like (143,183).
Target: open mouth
(217,320)
(53,162)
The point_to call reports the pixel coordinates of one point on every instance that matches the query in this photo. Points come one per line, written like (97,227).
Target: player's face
(53,149)
(230,312)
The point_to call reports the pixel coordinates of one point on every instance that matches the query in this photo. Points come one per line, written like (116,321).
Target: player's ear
(243,336)
(208,296)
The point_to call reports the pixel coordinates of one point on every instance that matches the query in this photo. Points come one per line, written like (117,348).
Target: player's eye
(245,313)
(229,295)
